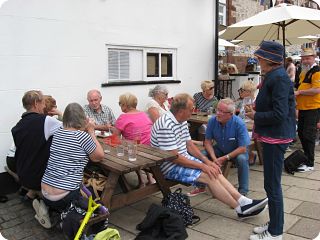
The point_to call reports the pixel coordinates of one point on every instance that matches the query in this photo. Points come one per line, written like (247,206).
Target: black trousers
(307,129)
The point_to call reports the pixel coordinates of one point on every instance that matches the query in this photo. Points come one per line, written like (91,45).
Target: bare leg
(229,187)
(141,182)
(219,191)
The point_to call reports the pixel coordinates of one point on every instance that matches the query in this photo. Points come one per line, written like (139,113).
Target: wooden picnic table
(116,167)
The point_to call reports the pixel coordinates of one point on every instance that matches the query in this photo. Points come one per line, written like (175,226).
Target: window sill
(126,83)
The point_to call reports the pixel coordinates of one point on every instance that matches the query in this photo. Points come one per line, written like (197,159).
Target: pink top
(132,124)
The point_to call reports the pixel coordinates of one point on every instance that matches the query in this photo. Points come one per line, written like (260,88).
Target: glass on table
(120,149)
(132,151)
(107,146)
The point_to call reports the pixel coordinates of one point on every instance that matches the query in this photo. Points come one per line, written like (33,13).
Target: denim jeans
(273,155)
(307,129)
(242,163)
(63,203)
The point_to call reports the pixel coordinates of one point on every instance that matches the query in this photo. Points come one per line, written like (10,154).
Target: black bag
(180,203)
(293,161)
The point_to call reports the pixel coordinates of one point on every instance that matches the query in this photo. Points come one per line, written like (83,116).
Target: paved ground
(301,198)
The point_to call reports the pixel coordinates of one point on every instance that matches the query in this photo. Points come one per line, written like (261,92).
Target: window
(140,64)
(159,65)
(222,12)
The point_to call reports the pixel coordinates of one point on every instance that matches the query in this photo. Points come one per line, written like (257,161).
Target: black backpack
(180,204)
(293,161)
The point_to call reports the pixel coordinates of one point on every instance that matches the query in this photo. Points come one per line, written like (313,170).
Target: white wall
(58,46)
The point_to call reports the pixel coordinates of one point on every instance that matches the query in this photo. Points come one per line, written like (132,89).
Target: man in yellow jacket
(308,104)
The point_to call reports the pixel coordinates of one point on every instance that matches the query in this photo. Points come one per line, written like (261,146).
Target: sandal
(3,199)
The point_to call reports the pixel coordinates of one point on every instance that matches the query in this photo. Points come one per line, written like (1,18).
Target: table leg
(109,188)
(162,183)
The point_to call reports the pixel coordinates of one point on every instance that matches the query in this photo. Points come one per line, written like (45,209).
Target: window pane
(124,65)
(166,65)
(152,64)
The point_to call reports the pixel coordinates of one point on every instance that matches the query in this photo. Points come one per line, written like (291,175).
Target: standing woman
(205,99)
(274,119)
(158,105)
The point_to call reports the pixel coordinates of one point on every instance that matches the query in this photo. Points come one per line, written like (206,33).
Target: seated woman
(72,147)
(158,105)
(133,122)
(232,68)
(246,90)
(205,99)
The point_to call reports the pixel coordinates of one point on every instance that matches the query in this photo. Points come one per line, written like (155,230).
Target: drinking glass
(107,146)
(132,151)
(120,149)
(247,103)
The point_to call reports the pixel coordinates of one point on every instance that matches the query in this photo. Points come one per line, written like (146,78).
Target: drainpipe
(216,45)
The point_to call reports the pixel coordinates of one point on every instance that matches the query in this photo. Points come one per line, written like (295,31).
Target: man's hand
(212,171)
(220,161)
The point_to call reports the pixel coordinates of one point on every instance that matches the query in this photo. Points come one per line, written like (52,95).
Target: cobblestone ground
(17,222)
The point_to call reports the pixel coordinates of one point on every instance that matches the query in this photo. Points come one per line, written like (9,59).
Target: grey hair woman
(158,105)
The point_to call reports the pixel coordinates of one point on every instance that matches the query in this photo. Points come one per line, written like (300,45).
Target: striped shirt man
(168,134)
(69,153)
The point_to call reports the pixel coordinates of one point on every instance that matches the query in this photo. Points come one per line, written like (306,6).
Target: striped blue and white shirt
(68,156)
(168,134)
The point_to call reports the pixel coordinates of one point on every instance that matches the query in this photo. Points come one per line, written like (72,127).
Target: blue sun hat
(270,51)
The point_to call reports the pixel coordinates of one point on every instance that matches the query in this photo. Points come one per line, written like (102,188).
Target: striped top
(168,134)
(202,103)
(68,156)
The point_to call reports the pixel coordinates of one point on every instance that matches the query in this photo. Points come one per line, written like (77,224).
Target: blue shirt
(232,135)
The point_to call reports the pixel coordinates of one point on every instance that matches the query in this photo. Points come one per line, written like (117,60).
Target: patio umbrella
(225,43)
(282,22)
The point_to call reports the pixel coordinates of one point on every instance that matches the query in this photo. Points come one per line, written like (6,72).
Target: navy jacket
(275,106)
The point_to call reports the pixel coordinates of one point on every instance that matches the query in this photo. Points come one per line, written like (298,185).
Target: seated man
(32,137)
(232,140)
(101,114)
(170,132)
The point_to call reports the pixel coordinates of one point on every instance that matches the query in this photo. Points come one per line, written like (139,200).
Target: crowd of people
(56,147)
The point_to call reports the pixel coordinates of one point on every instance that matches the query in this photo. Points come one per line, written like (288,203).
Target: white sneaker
(305,168)
(261,229)
(42,213)
(265,236)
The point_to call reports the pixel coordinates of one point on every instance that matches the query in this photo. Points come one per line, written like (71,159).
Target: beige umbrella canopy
(283,23)
(225,43)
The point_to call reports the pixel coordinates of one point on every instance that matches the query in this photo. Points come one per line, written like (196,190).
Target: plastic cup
(132,151)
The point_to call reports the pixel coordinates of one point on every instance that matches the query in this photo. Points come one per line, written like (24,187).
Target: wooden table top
(203,119)
(147,156)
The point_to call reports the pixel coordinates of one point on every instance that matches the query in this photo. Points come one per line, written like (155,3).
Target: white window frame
(224,13)
(145,51)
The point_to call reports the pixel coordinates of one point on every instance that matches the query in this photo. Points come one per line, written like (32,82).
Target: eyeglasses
(209,89)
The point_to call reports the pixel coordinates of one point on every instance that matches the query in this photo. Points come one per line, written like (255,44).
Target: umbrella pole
(284,42)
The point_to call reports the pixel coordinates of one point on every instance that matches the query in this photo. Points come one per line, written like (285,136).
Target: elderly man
(32,137)
(308,104)
(101,114)
(232,139)
(170,132)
